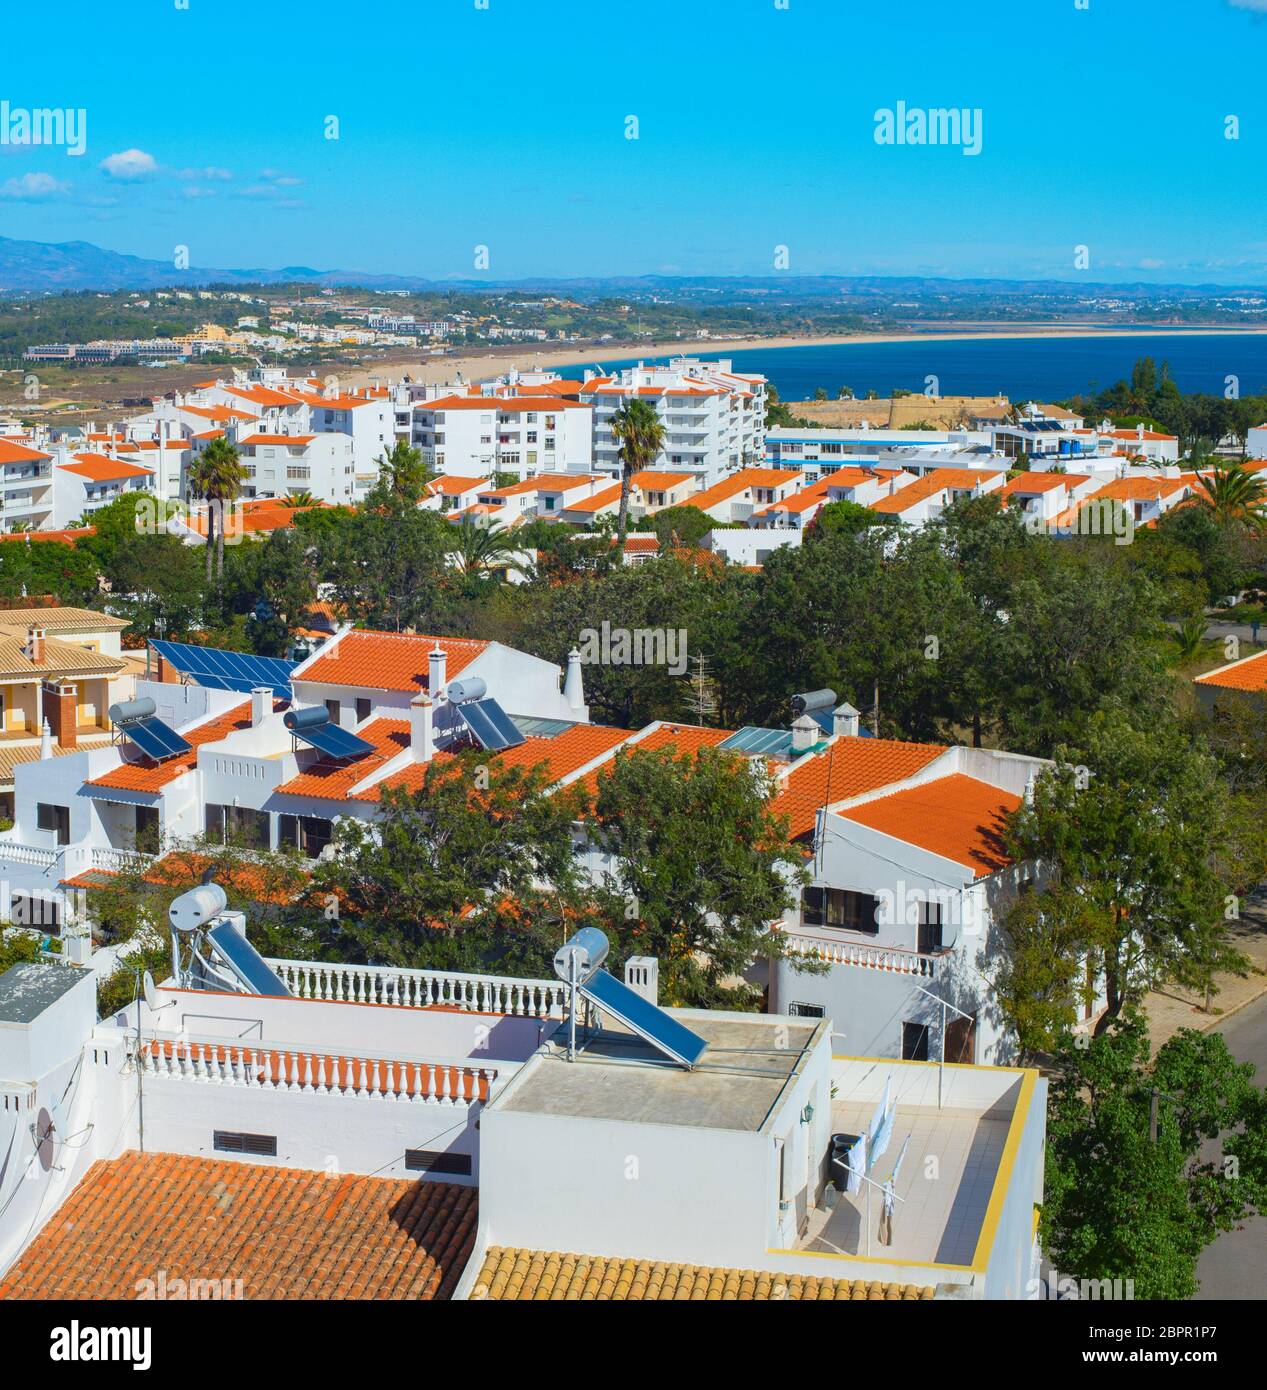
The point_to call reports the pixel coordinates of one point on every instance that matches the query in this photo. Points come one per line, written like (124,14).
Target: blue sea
(1020,368)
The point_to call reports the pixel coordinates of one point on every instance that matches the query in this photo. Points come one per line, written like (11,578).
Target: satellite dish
(151,994)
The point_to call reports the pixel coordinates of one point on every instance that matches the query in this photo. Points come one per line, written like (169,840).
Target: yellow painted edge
(869,1260)
(994,1211)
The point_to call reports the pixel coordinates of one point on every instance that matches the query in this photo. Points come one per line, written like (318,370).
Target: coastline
(483,366)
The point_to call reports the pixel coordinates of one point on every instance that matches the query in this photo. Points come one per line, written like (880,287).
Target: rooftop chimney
(573,684)
(46,742)
(35,644)
(846,720)
(437,677)
(1029,789)
(805,733)
(421,729)
(261,704)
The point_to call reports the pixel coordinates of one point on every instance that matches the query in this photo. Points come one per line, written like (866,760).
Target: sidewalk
(1171,1009)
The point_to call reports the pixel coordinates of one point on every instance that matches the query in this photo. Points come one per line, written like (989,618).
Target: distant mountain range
(28,267)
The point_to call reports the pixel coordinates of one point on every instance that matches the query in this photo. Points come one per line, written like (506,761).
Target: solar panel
(333,741)
(245,961)
(532,727)
(649,1021)
(155,739)
(492,726)
(224,670)
(754,739)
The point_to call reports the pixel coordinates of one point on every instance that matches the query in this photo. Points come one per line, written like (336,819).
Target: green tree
(701,869)
(1125,1202)
(402,473)
(639,433)
(1135,824)
(216,476)
(1234,496)
(471,868)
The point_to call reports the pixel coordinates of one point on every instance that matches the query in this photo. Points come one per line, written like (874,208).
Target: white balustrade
(422,989)
(891,958)
(211,1063)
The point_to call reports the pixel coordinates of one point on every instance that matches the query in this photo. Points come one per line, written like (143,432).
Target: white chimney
(261,704)
(1029,789)
(573,684)
(805,733)
(46,742)
(846,720)
(437,668)
(421,729)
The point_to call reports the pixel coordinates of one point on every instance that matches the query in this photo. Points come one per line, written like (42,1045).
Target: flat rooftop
(617,1076)
(940,1217)
(27,989)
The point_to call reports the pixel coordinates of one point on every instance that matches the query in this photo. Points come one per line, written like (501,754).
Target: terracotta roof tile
(389,660)
(284,1232)
(1250,673)
(956,817)
(334,780)
(537,1275)
(849,767)
(149,776)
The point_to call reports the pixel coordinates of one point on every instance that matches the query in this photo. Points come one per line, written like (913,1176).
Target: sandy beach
(482,366)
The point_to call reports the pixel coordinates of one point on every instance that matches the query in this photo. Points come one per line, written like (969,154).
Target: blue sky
(505,127)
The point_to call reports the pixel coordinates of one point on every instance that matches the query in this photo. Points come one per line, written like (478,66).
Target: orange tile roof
(99,469)
(846,768)
(1139,489)
(262,395)
(149,776)
(561,757)
(299,440)
(389,660)
(1034,482)
(334,780)
(606,497)
(1250,673)
(956,817)
(740,482)
(682,738)
(659,479)
(255,514)
(286,1233)
(221,414)
(66,537)
(642,545)
(549,403)
(451,485)
(19,453)
(928,486)
(521,1275)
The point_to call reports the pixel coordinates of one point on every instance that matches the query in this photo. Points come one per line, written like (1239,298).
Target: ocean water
(1019,368)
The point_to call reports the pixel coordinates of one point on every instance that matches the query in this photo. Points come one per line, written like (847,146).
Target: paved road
(1235,1265)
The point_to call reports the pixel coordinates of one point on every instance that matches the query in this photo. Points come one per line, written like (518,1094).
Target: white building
(714,418)
(522,435)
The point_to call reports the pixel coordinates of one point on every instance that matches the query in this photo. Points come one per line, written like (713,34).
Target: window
(55,819)
(915,1042)
(929,927)
(841,908)
(435,1161)
(334,710)
(806,1010)
(147,834)
(363,707)
(309,834)
(231,1143)
(238,824)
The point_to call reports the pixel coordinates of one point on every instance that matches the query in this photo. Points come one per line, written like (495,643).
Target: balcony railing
(315,1073)
(423,989)
(890,958)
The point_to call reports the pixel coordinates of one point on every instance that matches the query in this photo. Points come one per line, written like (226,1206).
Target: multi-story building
(519,435)
(714,418)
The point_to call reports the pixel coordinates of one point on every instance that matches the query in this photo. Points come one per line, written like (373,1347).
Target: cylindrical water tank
(473,688)
(306,718)
(197,907)
(812,700)
(128,710)
(589,948)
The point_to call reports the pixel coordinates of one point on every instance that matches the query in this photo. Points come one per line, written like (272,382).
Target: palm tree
(1189,636)
(637,428)
(480,549)
(300,498)
(216,476)
(1233,496)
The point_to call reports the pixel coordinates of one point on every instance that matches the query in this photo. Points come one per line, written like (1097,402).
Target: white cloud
(1259,6)
(275,176)
(211,172)
(194,191)
(34,188)
(130,165)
